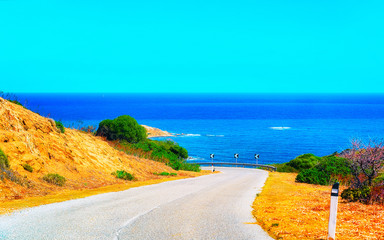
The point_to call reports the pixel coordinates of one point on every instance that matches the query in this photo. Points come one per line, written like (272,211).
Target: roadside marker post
(236,156)
(212,156)
(333,211)
(257,158)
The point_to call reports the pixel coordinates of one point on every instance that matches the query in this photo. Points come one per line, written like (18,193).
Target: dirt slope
(84,160)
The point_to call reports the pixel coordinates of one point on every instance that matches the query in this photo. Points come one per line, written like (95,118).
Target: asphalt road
(215,206)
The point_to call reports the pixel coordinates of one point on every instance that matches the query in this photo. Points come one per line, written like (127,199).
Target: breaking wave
(188,135)
(195,135)
(191,158)
(280,128)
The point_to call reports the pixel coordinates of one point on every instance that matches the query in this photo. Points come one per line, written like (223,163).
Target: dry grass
(84,160)
(13,205)
(290,210)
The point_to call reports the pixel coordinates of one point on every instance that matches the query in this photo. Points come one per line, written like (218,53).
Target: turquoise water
(276,126)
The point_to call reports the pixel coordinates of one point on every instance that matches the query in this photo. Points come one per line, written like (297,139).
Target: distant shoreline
(156,132)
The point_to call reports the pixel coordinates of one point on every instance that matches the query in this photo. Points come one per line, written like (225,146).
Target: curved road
(215,206)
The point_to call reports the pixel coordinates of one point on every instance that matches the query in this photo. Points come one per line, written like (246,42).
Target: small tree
(366,161)
(122,128)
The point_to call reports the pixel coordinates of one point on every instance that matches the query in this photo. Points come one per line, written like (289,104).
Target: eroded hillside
(84,160)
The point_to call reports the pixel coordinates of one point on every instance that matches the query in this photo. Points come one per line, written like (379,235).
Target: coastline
(156,132)
(34,148)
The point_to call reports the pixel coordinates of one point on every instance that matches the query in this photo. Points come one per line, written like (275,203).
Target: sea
(277,127)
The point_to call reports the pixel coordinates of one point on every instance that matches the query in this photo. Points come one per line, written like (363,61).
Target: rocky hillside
(84,160)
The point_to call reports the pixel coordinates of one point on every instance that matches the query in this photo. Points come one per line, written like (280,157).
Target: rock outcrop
(155,132)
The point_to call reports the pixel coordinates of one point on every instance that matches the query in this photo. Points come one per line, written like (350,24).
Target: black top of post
(335,189)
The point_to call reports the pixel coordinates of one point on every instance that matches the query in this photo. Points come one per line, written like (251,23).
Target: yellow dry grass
(290,210)
(86,161)
(13,205)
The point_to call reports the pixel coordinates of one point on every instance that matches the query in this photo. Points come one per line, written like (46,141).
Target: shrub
(304,161)
(366,160)
(189,167)
(4,166)
(329,170)
(54,178)
(379,180)
(313,176)
(7,173)
(60,126)
(27,167)
(179,151)
(169,152)
(15,102)
(166,174)
(283,167)
(4,163)
(377,194)
(122,128)
(336,167)
(366,194)
(123,175)
(354,195)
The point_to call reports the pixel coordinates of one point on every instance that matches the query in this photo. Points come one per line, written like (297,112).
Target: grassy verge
(13,205)
(290,210)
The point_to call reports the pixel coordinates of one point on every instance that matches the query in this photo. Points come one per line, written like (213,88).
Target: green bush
(54,178)
(379,180)
(313,176)
(304,161)
(7,173)
(166,174)
(27,167)
(354,195)
(4,166)
(15,102)
(60,126)
(189,167)
(283,167)
(123,175)
(122,128)
(336,167)
(329,170)
(4,163)
(179,151)
(169,152)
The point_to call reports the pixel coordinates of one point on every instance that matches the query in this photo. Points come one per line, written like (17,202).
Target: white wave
(192,135)
(280,128)
(210,135)
(187,135)
(190,158)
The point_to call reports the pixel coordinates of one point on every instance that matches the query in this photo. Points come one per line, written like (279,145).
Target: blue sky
(192,46)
